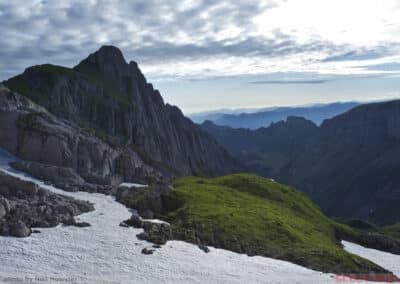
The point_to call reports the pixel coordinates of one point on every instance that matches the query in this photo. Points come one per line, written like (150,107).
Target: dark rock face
(349,165)
(24,205)
(111,98)
(61,152)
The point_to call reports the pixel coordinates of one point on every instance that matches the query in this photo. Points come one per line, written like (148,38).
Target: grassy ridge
(254,215)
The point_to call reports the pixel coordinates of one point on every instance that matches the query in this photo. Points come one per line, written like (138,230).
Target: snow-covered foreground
(108,253)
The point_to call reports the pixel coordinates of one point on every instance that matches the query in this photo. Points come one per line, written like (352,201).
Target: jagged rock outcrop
(349,165)
(112,99)
(24,204)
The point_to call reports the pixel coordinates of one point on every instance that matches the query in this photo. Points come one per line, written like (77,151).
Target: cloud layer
(201,38)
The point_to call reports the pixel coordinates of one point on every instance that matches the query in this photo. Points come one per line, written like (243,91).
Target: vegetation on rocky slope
(254,215)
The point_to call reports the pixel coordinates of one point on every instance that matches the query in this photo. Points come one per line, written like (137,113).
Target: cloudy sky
(207,54)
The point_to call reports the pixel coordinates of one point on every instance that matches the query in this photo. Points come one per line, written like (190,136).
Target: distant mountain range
(253,119)
(349,165)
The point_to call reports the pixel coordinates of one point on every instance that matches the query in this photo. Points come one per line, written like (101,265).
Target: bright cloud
(203,38)
(365,23)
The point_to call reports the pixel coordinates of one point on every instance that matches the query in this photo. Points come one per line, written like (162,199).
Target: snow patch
(133,185)
(385,259)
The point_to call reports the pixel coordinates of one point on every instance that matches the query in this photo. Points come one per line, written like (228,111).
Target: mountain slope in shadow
(349,165)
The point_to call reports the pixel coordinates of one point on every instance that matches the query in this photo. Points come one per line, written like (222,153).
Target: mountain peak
(109,53)
(109,60)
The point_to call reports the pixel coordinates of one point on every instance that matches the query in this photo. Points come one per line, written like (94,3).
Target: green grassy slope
(392,230)
(254,215)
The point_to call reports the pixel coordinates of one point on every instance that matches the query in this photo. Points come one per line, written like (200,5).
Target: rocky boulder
(204,248)
(24,204)
(19,229)
(148,251)
(157,233)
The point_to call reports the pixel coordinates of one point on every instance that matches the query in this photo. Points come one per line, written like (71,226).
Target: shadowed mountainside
(349,165)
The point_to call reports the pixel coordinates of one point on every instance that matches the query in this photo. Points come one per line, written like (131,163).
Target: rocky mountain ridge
(104,109)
